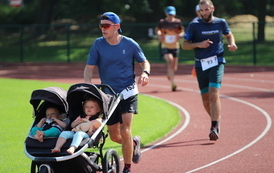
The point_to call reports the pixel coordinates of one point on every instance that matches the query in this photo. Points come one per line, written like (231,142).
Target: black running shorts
(129,105)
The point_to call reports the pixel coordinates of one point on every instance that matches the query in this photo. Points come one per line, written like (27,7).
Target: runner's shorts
(174,52)
(210,78)
(129,105)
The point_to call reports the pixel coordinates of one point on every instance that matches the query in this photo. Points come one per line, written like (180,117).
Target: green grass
(152,122)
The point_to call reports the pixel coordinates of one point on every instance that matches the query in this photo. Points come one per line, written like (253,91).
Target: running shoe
(126,171)
(136,150)
(173,87)
(214,134)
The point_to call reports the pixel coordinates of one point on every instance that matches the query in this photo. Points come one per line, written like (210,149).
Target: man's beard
(207,19)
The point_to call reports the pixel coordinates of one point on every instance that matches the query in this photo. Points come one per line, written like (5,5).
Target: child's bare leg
(71,149)
(60,142)
(39,135)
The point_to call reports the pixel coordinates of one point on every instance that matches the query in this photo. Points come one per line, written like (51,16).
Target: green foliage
(23,15)
(141,11)
(152,122)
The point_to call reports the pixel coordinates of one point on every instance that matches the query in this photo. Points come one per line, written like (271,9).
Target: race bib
(130,91)
(209,62)
(170,38)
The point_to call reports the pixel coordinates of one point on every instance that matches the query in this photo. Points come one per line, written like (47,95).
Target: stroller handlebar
(105,88)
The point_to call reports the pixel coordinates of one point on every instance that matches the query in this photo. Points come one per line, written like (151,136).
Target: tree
(45,11)
(44,16)
(261,20)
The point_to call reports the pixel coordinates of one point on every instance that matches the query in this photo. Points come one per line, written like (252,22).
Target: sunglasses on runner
(105,25)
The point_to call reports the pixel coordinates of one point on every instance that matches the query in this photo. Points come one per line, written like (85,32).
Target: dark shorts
(210,78)
(129,105)
(174,52)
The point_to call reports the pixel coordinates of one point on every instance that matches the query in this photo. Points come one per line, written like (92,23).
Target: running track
(246,142)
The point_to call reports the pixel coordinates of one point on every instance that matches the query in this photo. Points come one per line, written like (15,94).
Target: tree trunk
(261,19)
(44,16)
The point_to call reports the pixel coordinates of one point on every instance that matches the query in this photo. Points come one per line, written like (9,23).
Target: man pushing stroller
(114,55)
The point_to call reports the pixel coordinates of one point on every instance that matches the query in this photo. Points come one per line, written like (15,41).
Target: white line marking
(247,87)
(224,84)
(266,115)
(187,120)
(268,125)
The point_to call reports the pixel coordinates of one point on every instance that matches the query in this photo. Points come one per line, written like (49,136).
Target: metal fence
(71,42)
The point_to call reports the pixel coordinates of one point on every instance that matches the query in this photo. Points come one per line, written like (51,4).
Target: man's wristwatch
(147,73)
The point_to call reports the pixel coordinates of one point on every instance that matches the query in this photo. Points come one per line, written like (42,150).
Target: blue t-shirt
(116,62)
(198,31)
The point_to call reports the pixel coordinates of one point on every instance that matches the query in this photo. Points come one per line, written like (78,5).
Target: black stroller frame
(43,161)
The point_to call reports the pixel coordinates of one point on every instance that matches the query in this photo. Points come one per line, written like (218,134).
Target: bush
(21,15)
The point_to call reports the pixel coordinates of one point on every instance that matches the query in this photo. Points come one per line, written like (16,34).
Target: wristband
(147,73)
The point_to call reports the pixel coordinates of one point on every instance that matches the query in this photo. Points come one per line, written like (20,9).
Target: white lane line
(266,115)
(248,87)
(248,80)
(186,122)
(268,125)
(224,84)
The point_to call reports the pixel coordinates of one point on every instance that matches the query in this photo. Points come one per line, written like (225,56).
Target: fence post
(68,42)
(21,30)
(254,45)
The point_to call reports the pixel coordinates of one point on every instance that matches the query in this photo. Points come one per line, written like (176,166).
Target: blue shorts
(129,105)
(210,78)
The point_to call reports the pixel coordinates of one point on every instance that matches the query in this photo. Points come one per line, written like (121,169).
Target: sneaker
(136,150)
(126,171)
(174,87)
(214,134)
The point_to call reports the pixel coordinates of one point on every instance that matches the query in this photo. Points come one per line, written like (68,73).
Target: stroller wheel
(34,167)
(45,169)
(111,162)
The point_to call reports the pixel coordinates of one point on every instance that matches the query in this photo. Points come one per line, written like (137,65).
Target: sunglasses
(105,25)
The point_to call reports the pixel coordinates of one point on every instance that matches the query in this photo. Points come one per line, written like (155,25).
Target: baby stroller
(43,161)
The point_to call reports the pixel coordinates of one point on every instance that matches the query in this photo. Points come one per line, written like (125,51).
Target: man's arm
(231,42)
(145,66)
(159,33)
(143,79)
(88,73)
(182,33)
(187,45)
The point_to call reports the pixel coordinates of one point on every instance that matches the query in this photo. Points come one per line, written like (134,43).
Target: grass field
(16,119)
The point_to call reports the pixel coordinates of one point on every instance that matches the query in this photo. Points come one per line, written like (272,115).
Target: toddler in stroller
(80,161)
(82,127)
(50,126)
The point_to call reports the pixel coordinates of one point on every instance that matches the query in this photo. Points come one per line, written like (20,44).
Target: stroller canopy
(50,96)
(78,93)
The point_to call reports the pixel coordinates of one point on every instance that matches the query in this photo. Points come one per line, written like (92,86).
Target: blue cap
(197,8)
(170,10)
(111,17)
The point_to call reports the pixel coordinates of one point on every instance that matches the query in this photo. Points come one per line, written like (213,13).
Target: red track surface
(246,141)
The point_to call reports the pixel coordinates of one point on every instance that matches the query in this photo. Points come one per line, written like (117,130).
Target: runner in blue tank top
(205,37)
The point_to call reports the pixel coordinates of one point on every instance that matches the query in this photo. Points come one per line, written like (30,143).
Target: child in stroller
(81,161)
(82,127)
(50,126)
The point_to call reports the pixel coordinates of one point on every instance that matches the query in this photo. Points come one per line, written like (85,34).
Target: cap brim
(171,13)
